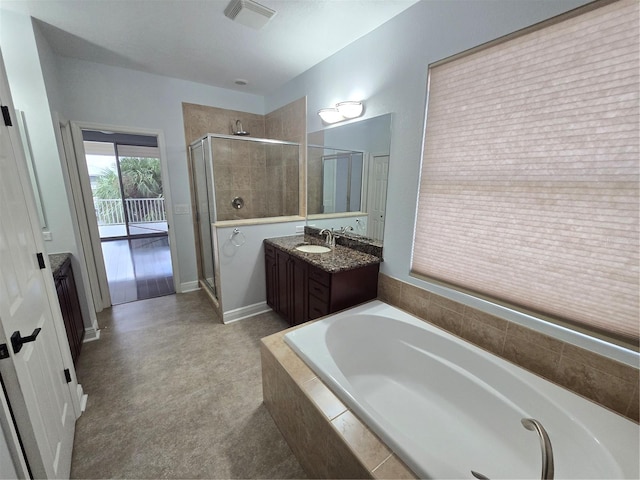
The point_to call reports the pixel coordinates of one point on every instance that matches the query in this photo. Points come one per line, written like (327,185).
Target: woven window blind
(530,171)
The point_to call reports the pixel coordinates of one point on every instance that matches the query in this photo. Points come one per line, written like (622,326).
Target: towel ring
(241,241)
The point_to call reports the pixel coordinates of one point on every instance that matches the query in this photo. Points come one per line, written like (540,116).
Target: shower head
(239,130)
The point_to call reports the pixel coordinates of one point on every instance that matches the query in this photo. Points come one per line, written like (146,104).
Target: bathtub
(447,408)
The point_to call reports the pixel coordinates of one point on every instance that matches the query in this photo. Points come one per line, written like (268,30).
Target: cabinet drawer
(320,276)
(318,290)
(317,308)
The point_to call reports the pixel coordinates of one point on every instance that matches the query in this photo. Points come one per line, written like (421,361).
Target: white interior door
(35,374)
(377,201)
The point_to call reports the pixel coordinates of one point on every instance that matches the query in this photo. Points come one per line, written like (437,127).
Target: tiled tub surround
(331,442)
(609,383)
(446,407)
(326,437)
(339,259)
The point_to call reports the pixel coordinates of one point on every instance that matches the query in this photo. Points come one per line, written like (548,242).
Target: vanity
(69,302)
(303,285)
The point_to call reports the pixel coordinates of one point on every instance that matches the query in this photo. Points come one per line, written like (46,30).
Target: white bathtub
(446,407)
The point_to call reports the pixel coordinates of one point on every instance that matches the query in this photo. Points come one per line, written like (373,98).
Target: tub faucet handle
(547,452)
(545,444)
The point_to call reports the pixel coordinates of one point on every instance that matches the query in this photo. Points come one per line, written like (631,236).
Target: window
(529,184)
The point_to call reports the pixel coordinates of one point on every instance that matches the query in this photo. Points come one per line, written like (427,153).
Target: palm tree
(141,178)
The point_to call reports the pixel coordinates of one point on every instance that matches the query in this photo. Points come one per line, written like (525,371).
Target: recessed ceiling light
(240,81)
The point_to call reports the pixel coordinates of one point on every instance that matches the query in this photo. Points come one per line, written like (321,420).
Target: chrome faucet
(346,229)
(331,239)
(545,444)
(547,451)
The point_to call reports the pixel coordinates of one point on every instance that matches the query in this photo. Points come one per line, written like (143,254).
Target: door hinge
(67,375)
(4,351)
(41,261)
(7,116)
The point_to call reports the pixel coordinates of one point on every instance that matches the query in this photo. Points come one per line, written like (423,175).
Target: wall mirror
(347,171)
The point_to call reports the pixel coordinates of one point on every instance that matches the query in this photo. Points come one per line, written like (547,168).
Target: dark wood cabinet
(301,291)
(70,307)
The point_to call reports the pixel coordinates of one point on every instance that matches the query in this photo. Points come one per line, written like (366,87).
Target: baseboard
(189,287)
(245,312)
(91,334)
(82,398)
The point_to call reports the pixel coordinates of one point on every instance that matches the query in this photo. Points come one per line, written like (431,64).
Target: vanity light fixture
(342,111)
(350,109)
(330,115)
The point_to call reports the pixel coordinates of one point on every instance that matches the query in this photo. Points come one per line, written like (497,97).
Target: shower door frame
(194,204)
(213,289)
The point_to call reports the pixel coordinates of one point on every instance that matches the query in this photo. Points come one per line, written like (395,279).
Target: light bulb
(350,109)
(330,115)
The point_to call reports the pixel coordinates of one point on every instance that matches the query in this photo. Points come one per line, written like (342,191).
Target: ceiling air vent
(249,13)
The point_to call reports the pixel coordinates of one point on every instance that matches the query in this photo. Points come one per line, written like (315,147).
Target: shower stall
(239,178)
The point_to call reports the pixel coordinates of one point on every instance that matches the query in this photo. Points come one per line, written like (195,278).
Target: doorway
(128,199)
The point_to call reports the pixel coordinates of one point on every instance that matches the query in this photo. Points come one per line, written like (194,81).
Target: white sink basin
(313,249)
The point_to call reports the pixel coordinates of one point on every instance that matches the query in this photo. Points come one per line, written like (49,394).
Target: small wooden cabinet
(70,307)
(301,291)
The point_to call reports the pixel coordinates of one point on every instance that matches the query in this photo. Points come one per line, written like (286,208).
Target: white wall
(32,75)
(388,70)
(108,95)
(242,270)
(22,60)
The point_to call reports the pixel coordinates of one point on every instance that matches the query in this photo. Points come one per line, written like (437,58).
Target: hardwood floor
(138,268)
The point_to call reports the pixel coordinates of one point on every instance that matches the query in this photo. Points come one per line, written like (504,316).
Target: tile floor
(174,393)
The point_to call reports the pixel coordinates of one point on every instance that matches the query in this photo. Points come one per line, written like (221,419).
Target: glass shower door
(205,213)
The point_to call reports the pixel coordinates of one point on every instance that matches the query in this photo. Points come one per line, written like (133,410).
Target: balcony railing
(139,210)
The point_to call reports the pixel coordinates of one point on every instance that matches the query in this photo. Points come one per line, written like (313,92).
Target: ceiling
(193,40)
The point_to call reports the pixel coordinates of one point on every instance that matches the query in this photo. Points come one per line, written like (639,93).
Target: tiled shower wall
(314,166)
(610,383)
(265,176)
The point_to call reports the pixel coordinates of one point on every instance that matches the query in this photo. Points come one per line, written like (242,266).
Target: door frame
(89,285)
(81,193)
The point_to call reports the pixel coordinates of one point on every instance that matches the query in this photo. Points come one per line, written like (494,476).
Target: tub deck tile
(324,398)
(293,364)
(364,443)
(394,468)
(302,407)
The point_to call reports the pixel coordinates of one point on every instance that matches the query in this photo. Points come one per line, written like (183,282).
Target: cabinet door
(299,282)
(283,282)
(74,307)
(272,280)
(63,300)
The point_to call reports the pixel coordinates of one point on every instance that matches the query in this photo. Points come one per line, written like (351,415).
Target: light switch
(181,209)
(46,234)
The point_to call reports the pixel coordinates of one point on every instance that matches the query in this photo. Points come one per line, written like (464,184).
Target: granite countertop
(339,259)
(56,260)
